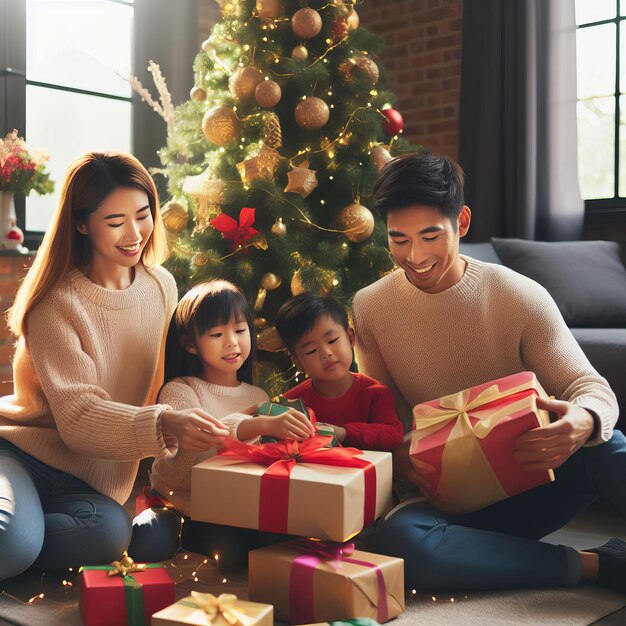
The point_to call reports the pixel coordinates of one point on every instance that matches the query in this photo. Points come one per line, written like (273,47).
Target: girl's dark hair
(207,305)
(420,178)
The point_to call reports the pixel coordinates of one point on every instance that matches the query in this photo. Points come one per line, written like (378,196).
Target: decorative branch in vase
(21,171)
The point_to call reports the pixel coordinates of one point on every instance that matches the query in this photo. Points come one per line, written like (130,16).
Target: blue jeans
(52,519)
(498,547)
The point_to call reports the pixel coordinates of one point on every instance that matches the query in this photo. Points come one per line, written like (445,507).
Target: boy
(359,409)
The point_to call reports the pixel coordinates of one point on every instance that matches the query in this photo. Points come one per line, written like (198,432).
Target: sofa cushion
(586,278)
(481,251)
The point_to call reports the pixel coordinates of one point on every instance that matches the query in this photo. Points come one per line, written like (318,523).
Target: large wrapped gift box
(462,444)
(308,581)
(296,488)
(205,609)
(124,595)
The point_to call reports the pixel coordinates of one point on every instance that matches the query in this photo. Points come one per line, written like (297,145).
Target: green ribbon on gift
(133,594)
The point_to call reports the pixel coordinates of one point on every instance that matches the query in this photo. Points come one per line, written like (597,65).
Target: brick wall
(422,56)
(13,268)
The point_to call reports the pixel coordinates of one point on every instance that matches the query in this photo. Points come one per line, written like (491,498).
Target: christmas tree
(271,162)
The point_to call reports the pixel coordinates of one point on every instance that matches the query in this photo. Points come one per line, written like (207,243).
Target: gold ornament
(381,156)
(269,340)
(300,53)
(268,9)
(175,217)
(361,65)
(270,281)
(244,81)
(357,222)
(302,180)
(261,166)
(199,259)
(259,322)
(353,20)
(312,113)
(296,284)
(220,125)
(279,228)
(306,23)
(267,93)
(272,133)
(198,94)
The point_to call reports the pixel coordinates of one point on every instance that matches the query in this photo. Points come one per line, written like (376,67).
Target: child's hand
(291,424)
(339,431)
(194,429)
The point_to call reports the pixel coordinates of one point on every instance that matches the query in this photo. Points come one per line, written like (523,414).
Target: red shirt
(366,411)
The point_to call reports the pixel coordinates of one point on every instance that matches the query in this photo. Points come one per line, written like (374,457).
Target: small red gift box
(123,600)
(462,444)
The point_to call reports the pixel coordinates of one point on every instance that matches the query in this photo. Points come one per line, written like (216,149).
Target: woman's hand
(194,429)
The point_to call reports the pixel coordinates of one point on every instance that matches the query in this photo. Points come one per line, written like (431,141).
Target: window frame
(610,210)
(13,84)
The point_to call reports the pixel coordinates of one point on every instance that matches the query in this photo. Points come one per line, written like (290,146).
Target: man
(441,323)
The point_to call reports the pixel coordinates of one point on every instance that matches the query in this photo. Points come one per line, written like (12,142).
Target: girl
(210,353)
(89,319)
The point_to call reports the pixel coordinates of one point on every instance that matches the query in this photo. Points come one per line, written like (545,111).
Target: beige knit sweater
(171,475)
(494,322)
(82,374)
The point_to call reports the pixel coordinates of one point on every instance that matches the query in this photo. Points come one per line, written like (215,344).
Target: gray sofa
(587,279)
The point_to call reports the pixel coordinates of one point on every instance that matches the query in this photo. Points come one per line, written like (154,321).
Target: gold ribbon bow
(126,566)
(223,605)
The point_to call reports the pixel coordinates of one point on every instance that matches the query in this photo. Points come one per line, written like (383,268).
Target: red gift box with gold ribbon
(299,488)
(462,444)
(312,581)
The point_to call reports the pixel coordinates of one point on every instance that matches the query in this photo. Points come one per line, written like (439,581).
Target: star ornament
(237,232)
(302,180)
(261,166)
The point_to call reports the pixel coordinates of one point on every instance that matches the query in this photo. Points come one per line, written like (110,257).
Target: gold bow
(126,566)
(223,605)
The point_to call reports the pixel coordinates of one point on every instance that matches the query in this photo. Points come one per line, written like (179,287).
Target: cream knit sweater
(494,322)
(171,475)
(82,374)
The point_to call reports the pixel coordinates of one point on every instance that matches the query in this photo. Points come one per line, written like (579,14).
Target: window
(73,94)
(601,107)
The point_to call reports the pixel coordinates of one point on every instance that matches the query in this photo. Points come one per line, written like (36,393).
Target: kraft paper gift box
(205,609)
(123,593)
(295,488)
(462,444)
(308,581)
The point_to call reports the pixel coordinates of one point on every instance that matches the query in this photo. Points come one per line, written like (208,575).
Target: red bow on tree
(238,232)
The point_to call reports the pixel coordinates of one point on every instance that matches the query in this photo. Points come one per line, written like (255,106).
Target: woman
(90,318)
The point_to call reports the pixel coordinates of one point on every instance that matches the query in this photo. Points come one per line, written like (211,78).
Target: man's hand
(550,446)
(339,431)
(194,429)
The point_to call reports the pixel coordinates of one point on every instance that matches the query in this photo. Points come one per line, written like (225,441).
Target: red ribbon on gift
(240,231)
(280,459)
(301,589)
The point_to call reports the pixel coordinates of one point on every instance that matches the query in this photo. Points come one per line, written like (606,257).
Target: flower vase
(11,237)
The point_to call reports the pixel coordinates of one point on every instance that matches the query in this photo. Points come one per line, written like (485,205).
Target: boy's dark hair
(207,305)
(420,178)
(299,314)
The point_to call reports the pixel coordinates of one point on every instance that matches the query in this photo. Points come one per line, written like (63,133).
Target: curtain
(166,32)
(517,134)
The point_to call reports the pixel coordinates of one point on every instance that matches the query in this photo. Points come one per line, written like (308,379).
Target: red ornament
(339,29)
(238,232)
(394,122)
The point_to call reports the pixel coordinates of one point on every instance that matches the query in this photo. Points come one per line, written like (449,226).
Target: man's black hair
(420,178)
